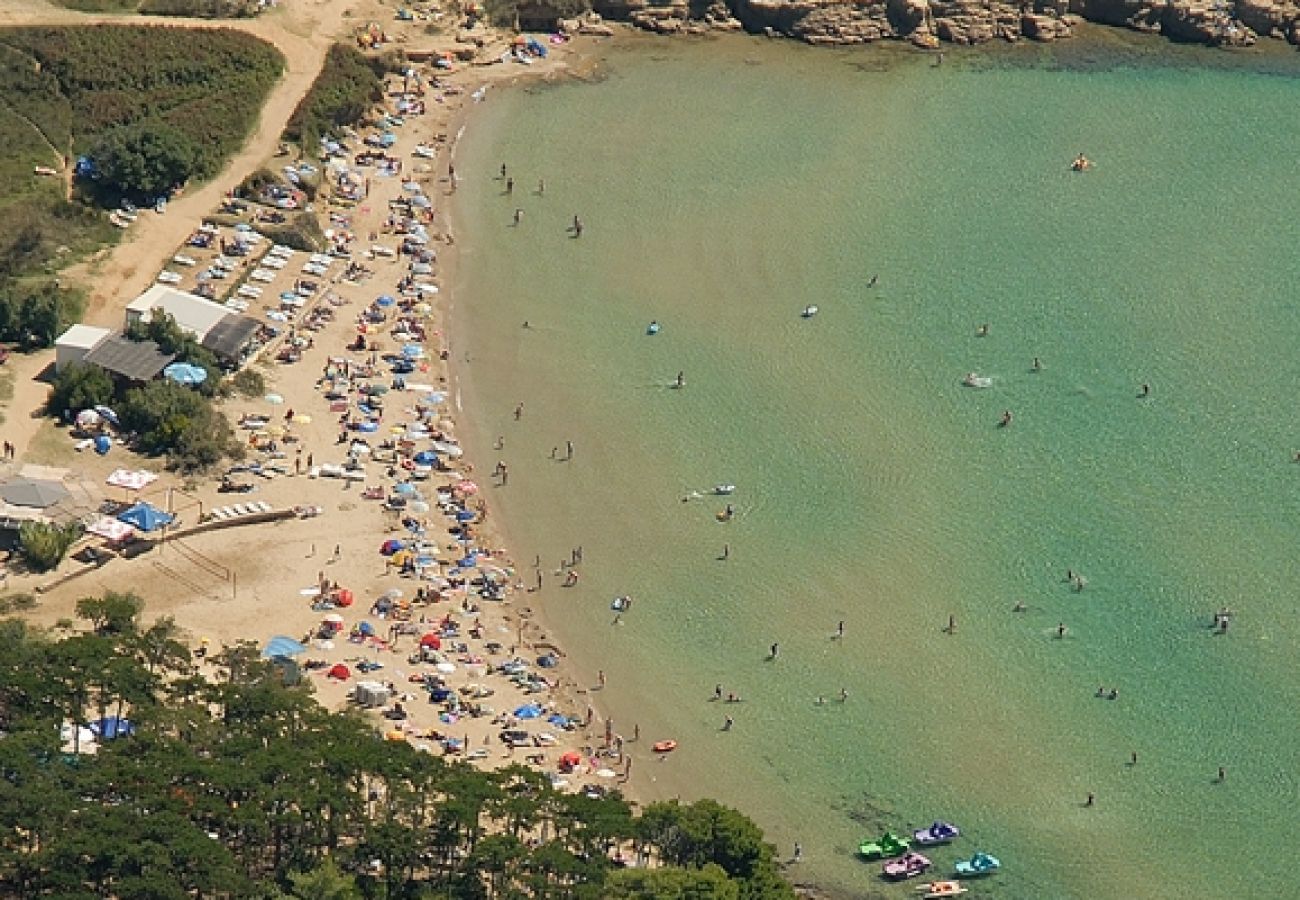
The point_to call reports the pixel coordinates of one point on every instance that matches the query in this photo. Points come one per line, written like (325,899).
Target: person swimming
(681,380)
(1081,163)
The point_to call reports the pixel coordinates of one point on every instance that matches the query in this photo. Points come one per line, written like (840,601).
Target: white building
(74,344)
(193,313)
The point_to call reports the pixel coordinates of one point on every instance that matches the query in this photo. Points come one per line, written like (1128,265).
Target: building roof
(228,337)
(32,493)
(83,337)
(136,360)
(191,312)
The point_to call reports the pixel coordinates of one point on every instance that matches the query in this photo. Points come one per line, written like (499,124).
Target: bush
(171,338)
(249,383)
(147,160)
(170,419)
(36,313)
(44,545)
(302,232)
(349,84)
(79,387)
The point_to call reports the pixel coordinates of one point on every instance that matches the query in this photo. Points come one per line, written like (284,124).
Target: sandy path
(303,31)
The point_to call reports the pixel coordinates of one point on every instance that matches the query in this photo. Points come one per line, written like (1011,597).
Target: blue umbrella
(405,488)
(412,351)
(386,300)
(366,628)
(185,373)
(465,515)
(528,711)
(368,427)
(426,457)
(282,646)
(108,415)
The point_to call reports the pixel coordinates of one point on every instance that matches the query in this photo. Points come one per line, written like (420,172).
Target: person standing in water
(1144,391)
(519,215)
(577,227)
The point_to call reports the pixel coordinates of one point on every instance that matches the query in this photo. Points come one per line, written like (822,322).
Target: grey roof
(228,337)
(30,492)
(136,360)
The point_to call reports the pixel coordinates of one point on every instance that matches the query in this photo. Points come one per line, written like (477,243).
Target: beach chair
(218,513)
(263,506)
(241,509)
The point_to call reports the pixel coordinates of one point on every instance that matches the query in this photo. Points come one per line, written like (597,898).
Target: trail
(303,31)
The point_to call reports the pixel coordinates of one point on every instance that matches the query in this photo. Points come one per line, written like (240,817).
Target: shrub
(79,387)
(147,160)
(36,313)
(170,419)
(349,84)
(44,545)
(249,383)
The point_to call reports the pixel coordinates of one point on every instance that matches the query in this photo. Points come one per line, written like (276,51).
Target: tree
(670,883)
(170,418)
(325,882)
(145,160)
(113,613)
(44,544)
(79,387)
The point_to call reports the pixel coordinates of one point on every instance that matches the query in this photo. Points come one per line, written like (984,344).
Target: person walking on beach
(717,692)
(726,552)
(1223,775)
(541,187)
(1060,630)
(503,170)
(798,852)
(952,625)
(1092,799)
(681,380)
(519,412)
(1144,391)
(839,629)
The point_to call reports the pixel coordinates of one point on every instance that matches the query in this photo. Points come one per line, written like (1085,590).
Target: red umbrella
(340,671)
(344,598)
(467,487)
(431,640)
(571,759)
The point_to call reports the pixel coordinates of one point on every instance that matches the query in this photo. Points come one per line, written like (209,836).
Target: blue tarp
(529,711)
(282,646)
(110,727)
(145,517)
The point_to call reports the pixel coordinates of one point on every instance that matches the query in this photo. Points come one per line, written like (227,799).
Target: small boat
(887,845)
(723,489)
(664,746)
(809,312)
(938,833)
(652,328)
(909,865)
(942,889)
(975,380)
(980,864)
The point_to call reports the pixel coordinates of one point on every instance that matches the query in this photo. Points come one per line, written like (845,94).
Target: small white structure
(192,313)
(73,345)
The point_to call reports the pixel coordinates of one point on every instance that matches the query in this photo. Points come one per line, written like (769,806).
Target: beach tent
(385,300)
(145,517)
(110,727)
(281,645)
(339,671)
(131,480)
(465,515)
(426,457)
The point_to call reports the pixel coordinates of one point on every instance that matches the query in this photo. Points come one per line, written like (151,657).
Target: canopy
(111,529)
(131,480)
(467,487)
(391,546)
(146,517)
(185,373)
(339,671)
(282,646)
(32,492)
(431,640)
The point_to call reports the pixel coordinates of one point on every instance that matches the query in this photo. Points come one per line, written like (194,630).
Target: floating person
(839,629)
(1223,775)
(727,723)
(1092,799)
(726,552)
(1081,163)
(982,331)
(1061,630)
(1133,758)
(503,170)
(1036,365)
(1005,420)
(510,185)
(774,651)
(844,695)
(872,282)
(727,513)
(1019,607)
(952,625)
(1144,391)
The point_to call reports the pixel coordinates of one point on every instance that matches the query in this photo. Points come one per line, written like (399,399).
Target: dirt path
(303,31)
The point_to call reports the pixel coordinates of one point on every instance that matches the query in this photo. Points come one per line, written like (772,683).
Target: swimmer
(982,331)
(726,725)
(681,380)
(1037,365)
(1113,695)
(872,282)
(1081,163)
(1006,418)
(1019,607)
(844,695)
(1144,391)
(1092,799)
(1060,630)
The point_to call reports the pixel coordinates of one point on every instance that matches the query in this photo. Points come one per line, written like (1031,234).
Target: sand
(255,581)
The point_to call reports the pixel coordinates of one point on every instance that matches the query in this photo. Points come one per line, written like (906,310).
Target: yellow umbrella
(302,419)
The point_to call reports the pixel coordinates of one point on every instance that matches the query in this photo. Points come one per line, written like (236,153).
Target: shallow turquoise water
(724,186)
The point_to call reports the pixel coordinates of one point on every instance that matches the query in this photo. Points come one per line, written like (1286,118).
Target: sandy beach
(396,574)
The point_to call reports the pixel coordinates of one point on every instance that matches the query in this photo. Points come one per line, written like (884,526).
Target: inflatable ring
(664,747)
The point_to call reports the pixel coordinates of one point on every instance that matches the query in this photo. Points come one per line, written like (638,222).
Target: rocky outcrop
(926,23)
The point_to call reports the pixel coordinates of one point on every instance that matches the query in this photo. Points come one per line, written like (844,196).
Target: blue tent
(282,646)
(145,517)
(110,727)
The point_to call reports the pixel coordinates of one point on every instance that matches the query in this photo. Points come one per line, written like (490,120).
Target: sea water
(725,185)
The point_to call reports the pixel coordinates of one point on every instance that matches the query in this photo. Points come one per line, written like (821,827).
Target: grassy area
(347,88)
(207,9)
(52,445)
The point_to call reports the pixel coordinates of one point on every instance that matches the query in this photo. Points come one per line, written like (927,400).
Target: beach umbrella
(281,645)
(421,202)
(431,640)
(418,506)
(108,415)
(445,668)
(185,373)
(391,594)
(366,629)
(434,398)
(333,619)
(324,645)
(88,418)
(386,300)
(571,758)
(339,671)
(103,444)
(465,515)
(466,486)
(426,457)
(391,546)
(606,773)
(345,598)
(405,488)
(145,517)
(412,351)
(274,399)
(528,711)
(368,427)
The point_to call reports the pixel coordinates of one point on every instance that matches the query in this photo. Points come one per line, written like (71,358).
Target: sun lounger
(219,513)
(263,506)
(241,509)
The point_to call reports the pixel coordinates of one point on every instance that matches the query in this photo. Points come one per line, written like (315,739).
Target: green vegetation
(79,387)
(171,338)
(248,383)
(240,787)
(44,544)
(205,9)
(168,418)
(505,13)
(157,110)
(349,85)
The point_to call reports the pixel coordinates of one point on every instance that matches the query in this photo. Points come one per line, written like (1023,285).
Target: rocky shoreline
(930,23)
